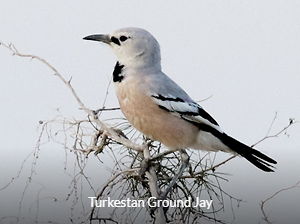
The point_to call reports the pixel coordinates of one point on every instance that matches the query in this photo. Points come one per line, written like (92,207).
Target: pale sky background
(245,54)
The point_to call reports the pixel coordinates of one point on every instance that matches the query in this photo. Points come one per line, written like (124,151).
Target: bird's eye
(123,38)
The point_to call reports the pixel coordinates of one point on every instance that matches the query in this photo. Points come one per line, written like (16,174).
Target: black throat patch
(117,73)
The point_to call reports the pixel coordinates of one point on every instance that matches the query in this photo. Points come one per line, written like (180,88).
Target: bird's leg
(184,163)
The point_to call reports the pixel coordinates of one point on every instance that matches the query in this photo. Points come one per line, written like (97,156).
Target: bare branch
(135,162)
(263,202)
(110,132)
(152,177)
(291,122)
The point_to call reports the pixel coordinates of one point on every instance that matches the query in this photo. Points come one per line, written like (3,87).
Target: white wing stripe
(189,111)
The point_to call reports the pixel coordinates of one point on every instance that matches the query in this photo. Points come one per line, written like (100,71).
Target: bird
(158,107)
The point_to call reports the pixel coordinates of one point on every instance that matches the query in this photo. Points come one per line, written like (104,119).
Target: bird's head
(134,47)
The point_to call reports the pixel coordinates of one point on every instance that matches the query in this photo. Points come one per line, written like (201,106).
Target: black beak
(99,37)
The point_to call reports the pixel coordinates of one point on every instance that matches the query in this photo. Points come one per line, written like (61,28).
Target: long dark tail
(257,158)
(252,155)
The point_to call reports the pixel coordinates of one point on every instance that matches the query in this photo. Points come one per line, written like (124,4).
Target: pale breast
(145,115)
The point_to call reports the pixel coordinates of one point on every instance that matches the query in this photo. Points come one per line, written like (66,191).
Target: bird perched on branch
(156,106)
